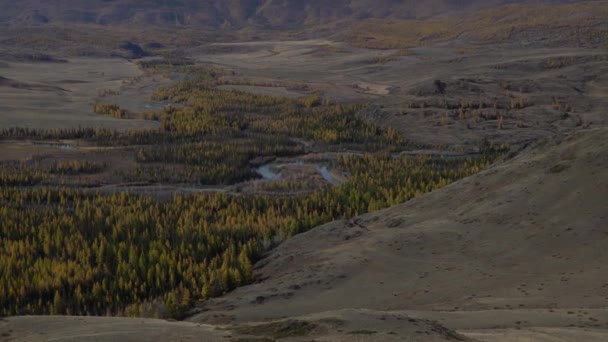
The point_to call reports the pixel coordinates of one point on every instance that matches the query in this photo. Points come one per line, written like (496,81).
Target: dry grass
(578,24)
(105,41)
(59,95)
(278,330)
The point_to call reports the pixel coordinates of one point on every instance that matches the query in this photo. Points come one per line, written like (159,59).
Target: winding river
(57,146)
(267,173)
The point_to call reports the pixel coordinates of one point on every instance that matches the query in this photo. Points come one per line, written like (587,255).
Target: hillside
(581,23)
(518,246)
(272,14)
(102,28)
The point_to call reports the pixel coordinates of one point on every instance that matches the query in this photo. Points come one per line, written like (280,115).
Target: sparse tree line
(510,103)
(104,136)
(254,83)
(477,110)
(213,111)
(13,173)
(212,77)
(110,109)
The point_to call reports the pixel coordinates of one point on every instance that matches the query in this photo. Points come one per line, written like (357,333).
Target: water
(59,146)
(154,105)
(267,173)
(324,171)
(150,89)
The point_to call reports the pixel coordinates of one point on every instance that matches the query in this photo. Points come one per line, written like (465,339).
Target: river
(267,173)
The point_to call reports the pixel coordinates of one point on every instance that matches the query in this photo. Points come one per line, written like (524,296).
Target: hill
(105,28)
(581,23)
(269,14)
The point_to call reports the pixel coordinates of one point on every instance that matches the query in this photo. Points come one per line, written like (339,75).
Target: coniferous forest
(65,249)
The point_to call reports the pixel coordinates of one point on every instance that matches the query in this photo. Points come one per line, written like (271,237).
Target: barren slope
(521,244)
(345,325)
(228,14)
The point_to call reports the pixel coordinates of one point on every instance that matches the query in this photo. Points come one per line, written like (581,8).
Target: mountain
(270,14)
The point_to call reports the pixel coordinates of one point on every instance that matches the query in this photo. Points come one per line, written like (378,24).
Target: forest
(75,251)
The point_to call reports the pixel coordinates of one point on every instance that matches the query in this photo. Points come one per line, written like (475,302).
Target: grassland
(60,95)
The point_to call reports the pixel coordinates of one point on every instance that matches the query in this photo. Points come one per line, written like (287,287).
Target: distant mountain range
(230,14)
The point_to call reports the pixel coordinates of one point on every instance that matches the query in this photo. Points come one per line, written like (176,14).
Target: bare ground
(40,328)
(343,325)
(61,95)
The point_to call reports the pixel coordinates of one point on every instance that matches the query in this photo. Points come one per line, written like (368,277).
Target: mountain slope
(580,24)
(229,13)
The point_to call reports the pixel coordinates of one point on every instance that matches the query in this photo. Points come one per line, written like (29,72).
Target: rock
(438,87)
(135,50)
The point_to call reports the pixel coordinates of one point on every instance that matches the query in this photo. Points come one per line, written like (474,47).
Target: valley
(369,179)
